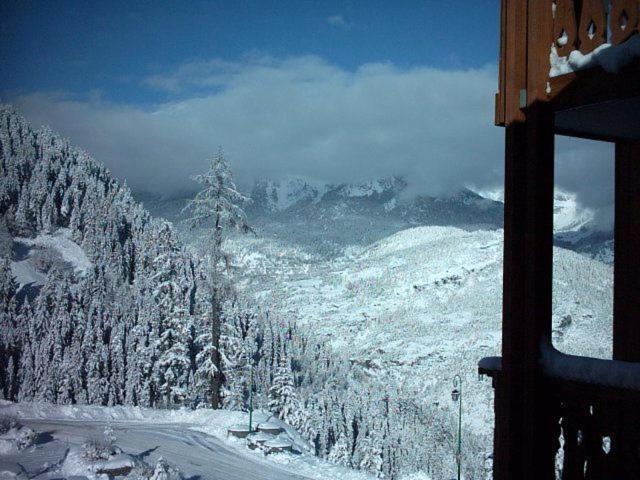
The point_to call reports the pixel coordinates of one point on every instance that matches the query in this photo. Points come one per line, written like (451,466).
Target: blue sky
(111,46)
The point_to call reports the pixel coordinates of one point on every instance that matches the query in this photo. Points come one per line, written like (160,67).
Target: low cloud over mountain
(304,116)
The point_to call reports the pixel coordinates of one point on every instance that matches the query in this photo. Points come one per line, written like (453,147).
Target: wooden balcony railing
(594,415)
(585,25)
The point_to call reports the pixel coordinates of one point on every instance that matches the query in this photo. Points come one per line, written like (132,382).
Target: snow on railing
(593,371)
(605,35)
(561,366)
(490,365)
(594,425)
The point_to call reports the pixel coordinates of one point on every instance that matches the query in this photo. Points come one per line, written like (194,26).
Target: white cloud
(338,21)
(304,116)
(587,168)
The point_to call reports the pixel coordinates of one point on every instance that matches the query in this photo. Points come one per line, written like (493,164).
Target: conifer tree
(217,207)
(340,453)
(283,400)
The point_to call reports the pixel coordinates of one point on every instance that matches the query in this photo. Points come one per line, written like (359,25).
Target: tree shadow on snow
(44,437)
(146,453)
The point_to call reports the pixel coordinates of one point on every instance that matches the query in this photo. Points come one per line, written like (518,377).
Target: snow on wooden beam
(592,371)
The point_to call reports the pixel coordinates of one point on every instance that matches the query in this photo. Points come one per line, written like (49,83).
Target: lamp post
(456,396)
(250,396)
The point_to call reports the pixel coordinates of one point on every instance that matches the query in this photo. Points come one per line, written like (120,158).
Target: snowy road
(197,455)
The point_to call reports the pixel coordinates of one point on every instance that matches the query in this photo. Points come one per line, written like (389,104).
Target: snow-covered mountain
(295,198)
(568,214)
(330,217)
(574,229)
(573,226)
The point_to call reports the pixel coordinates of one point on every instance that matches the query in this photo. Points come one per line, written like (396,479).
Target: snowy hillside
(425,303)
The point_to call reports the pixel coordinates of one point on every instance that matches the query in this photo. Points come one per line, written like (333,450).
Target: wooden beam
(500,96)
(506,450)
(593,86)
(522,446)
(567,132)
(515,55)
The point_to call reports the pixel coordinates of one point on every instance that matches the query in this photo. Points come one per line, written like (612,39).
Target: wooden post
(523,433)
(626,299)
(524,422)
(626,290)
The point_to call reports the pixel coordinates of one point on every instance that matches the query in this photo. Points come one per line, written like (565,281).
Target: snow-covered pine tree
(9,344)
(172,344)
(174,361)
(340,453)
(217,207)
(6,241)
(283,400)
(371,457)
(235,361)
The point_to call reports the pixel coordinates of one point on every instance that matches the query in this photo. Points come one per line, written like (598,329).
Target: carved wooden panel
(565,31)
(592,31)
(623,19)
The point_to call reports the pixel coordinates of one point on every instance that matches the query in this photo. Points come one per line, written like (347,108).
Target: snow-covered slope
(34,257)
(195,442)
(425,303)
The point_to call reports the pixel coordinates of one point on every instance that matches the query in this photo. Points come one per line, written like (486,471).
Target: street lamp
(250,396)
(456,396)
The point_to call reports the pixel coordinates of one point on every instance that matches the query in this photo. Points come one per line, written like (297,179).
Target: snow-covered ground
(424,304)
(194,442)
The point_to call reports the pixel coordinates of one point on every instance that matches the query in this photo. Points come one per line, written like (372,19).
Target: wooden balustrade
(586,24)
(565,28)
(597,442)
(596,429)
